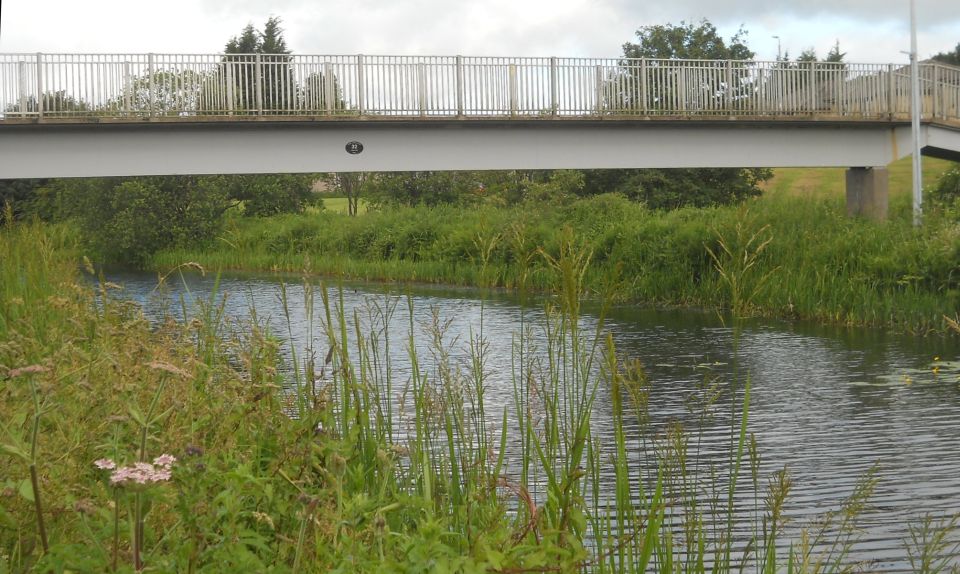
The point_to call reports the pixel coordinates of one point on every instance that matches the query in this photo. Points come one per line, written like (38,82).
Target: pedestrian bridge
(78,115)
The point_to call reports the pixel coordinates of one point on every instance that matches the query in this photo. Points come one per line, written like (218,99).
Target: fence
(207,85)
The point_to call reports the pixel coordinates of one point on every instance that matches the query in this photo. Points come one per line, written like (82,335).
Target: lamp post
(915,118)
(778,46)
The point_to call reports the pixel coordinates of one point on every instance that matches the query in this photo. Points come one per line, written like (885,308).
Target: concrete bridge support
(868,192)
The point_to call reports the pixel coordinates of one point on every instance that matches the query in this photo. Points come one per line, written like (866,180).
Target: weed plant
(185,447)
(781,255)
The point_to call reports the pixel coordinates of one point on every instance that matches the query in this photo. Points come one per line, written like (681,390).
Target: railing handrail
(52,85)
(463,56)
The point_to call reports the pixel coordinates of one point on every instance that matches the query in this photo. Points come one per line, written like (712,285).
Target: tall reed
(346,462)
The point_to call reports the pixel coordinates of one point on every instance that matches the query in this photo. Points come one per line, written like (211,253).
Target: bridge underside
(167,148)
(218,147)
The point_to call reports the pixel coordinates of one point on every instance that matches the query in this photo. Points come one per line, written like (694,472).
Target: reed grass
(816,263)
(317,466)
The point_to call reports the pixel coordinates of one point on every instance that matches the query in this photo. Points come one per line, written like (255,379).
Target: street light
(778,46)
(915,118)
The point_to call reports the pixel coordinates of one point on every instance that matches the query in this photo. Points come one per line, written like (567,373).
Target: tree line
(127,219)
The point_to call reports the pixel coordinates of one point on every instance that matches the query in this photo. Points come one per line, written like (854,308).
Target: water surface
(827,403)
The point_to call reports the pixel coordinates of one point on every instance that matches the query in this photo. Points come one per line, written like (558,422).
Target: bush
(947,190)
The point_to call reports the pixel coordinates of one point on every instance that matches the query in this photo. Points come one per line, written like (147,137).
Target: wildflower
(144,472)
(105,464)
(165,460)
(264,519)
(193,450)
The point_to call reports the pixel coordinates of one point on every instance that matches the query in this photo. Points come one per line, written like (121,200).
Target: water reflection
(827,403)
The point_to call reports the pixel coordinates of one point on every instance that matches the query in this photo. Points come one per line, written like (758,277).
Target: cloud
(869,30)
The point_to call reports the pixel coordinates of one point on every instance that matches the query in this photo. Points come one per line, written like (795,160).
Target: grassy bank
(792,253)
(183,447)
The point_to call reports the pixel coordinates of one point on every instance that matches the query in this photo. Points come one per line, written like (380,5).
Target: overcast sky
(868,30)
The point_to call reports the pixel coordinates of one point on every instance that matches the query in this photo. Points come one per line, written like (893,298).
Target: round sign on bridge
(353,148)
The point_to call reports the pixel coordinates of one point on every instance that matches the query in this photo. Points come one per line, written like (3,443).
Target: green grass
(339,205)
(828,184)
(816,262)
(337,487)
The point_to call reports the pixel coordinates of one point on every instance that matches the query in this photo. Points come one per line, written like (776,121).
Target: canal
(827,403)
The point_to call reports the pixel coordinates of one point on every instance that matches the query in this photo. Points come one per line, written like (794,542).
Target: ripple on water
(827,404)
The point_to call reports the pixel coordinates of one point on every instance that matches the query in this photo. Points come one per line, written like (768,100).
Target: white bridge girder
(88,149)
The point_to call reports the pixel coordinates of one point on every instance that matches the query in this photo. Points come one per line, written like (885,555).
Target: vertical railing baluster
(935,89)
(258,84)
(422,88)
(598,88)
(512,87)
(840,78)
(643,85)
(728,93)
(554,103)
(127,88)
(40,109)
(360,86)
(459,73)
(891,93)
(682,87)
(231,82)
(328,88)
(150,84)
(22,81)
(813,88)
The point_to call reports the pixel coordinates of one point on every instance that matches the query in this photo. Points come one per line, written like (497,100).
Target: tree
(952,58)
(692,86)
(58,101)
(808,55)
(688,42)
(351,185)
(419,188)
(265,195)
(947,190)
(20,194)
(278,89)
(125,220)
(675,188)
(166,92)
(835,55)
(672,188)
(322,93)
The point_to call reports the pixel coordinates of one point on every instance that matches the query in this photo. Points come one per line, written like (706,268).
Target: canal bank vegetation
(185,446)
(791,253)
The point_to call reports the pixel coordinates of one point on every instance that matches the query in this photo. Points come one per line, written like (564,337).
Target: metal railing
(209,85)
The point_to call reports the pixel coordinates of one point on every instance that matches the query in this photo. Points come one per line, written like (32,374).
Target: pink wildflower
(105,464)
(165,460)
(144,472)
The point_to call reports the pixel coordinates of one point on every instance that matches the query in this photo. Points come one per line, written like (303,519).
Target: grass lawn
(818,182)
(339,205)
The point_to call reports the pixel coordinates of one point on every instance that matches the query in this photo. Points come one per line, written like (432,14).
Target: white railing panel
(198,85)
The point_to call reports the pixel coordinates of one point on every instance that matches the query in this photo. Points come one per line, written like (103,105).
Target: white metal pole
(915,118)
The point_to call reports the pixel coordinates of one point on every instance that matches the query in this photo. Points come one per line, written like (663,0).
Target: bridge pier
(867,192)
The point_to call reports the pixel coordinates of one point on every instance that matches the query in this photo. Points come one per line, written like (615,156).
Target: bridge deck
(235,87)
(140,114)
